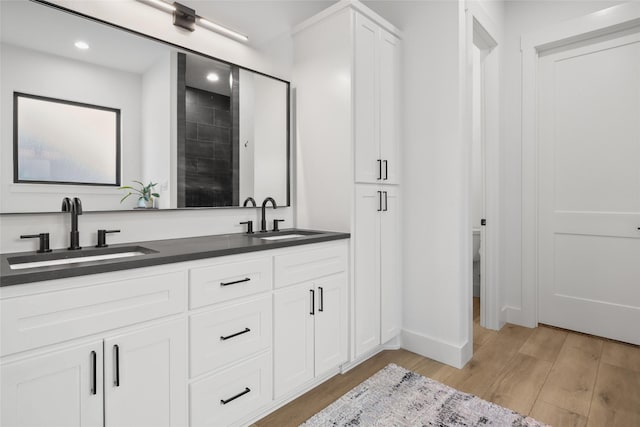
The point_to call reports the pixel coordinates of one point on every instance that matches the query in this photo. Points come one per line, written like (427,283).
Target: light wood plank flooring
(556,376)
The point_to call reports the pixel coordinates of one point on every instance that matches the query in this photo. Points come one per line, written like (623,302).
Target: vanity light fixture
(185,17)
(205,23)
(81,45)
(213,77)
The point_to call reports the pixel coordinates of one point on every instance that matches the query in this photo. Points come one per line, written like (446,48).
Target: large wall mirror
(207,133)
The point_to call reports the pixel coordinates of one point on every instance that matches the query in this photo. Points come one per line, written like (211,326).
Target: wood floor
(556,376)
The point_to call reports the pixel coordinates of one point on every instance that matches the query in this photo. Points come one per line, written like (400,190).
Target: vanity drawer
(230,333)
(41,319)
(302,266)
(249,382)
(225,281)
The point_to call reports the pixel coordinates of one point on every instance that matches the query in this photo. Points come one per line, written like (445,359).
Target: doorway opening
(484,135)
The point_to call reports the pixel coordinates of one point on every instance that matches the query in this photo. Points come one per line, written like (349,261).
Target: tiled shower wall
(208,150)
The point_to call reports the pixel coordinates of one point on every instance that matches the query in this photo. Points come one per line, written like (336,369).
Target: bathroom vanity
(208,331)
(216,330)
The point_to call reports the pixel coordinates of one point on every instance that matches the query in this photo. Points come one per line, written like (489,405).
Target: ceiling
(260,20)
(32,26)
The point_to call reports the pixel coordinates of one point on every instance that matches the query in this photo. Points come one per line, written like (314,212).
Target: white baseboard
(444,352)
(515,316)
(394,343)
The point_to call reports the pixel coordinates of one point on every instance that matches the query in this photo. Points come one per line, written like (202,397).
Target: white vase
(141,203)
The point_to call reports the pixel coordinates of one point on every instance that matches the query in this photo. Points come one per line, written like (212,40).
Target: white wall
(139,226)
(37,73)
(521,17)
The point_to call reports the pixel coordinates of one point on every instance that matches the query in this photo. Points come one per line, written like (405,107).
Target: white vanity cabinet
(310,318)
(114,373)
(144,376)
(230,339)
(187,344)
(58,389)
(356,55)
(376,92)
(377,273)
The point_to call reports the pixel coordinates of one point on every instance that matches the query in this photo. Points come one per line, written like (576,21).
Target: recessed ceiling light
(213,77)
(81,45)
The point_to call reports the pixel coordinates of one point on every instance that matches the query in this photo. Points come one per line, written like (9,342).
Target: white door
(390,272)
(368,164)
(60,389)
(367,267)
(390,90)
(293,337)
(145,377)
(589,187)
(331,323)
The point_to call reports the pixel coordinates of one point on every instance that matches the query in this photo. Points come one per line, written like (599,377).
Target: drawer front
(222,282)
(231,333)
(307,265)
(37,320)
(227,397)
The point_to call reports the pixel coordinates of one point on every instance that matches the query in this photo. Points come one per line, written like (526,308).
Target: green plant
(144,192)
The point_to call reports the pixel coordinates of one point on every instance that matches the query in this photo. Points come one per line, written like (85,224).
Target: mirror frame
(183,49)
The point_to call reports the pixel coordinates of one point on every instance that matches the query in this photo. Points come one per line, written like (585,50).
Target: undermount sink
(282,235)
(76,257)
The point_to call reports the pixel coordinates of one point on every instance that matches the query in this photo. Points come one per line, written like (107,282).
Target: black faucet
(75,208)
(44,241)
(247,200)
(263,223)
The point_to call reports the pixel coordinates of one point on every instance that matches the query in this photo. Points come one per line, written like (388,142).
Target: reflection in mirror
(58,142)
(209,133)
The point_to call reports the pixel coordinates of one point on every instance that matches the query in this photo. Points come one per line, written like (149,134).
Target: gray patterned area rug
(397,397)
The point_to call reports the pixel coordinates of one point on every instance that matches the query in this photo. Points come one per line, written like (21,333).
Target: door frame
(482,32)
(606,21)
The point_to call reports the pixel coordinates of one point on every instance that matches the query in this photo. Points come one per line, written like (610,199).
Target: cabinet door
(60,389)
(293,337)
(367,267)
(390,270)
(145,377)
(390,90)
(330,323)
(367,142)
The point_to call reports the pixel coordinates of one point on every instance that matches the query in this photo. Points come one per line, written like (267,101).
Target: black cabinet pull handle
(321,308)
(94,373)
(313,302)
(116,367)
(235,335)
(379,201)
(386,204)
(386,170)
(379,169)
(246,279)
(231,399)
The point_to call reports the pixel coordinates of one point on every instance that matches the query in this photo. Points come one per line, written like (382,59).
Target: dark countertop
(165,252)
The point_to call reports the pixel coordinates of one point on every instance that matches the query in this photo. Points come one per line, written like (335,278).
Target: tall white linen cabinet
(346,96)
